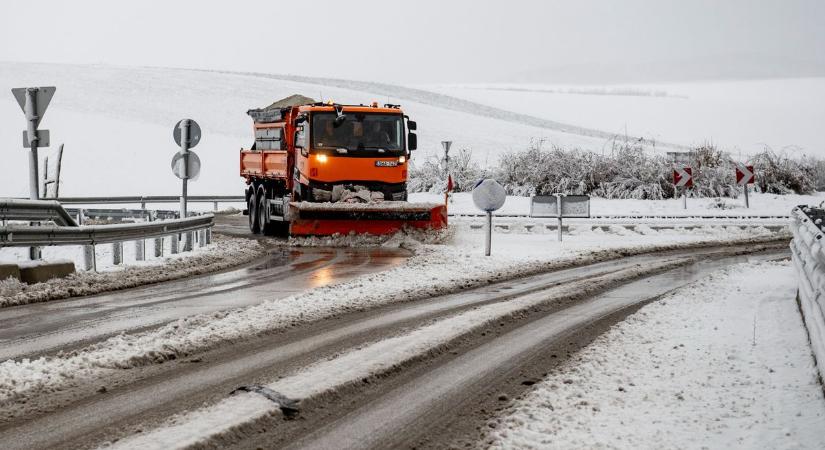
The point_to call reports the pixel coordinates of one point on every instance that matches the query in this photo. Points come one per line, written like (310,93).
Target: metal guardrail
(35,210)
(65,231)
(144,199)
(122,213)
(27,236)
(808,255)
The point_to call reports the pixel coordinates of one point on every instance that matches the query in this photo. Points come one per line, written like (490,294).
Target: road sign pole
(30,109)
(488,242)
(684,198)
(747,203)
(558,208)
(184,150)
(489,196)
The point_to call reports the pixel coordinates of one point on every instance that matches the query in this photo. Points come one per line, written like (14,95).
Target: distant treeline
(626,171)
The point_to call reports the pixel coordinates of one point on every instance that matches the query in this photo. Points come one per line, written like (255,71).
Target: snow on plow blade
(325,219)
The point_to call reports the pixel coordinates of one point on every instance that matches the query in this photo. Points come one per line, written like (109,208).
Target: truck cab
(351,147)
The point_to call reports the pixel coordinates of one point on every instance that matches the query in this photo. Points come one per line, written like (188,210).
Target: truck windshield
(360,131)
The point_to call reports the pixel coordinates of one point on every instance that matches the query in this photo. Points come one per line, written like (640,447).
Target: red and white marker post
(683,177)
(744,177)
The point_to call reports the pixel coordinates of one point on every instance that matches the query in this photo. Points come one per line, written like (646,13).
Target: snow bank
(406,238)
(222,253)
(433,270)
(721,363)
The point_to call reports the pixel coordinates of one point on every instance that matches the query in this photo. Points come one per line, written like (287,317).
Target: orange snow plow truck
(323,169)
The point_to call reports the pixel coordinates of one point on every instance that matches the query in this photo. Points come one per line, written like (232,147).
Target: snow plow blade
(326,219)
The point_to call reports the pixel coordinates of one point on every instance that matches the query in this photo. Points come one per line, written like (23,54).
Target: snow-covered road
(444,294)
(722,363)
(417,406)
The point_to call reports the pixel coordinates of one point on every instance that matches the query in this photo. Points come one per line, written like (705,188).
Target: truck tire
(252,207)
(263,225)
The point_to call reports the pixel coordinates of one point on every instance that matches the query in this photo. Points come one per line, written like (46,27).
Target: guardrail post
(140,250)
(159,247)
(89,258)
(173,241)
(117,253)
(188,240)
(202,238)
(208,239)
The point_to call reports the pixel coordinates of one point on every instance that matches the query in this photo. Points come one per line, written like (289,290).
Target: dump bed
(272,164)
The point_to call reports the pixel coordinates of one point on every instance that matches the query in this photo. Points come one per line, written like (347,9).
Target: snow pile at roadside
(434,270)
(406,238)
(224,252)
(721,363)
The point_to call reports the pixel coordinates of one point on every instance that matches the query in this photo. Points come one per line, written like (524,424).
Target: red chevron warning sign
(744,174)
(683,176)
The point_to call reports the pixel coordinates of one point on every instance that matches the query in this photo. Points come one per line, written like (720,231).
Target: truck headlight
(321,158)
(402,159)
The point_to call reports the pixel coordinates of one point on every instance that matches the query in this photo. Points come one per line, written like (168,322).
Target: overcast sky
(430,41)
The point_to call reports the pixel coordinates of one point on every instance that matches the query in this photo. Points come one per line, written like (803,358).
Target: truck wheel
(252,207)
(261,210)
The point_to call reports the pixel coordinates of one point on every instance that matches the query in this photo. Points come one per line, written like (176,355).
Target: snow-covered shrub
(536,171)
(630,172)
(713,173)
(627,170)
(429,175)
(424,175)
(777,173)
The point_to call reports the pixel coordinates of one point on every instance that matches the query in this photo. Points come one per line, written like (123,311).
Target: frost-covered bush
(630,172)
(429,175)
(777,173)
(713,173)
(627,170)
(536,171)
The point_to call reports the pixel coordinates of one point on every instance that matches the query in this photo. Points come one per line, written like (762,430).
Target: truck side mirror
(412,141)
(411,125)
(300,137)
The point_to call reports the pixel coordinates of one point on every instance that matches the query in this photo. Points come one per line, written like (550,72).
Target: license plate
(386,163)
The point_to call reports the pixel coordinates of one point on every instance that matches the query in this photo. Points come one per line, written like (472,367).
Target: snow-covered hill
(117,123)
(738,116)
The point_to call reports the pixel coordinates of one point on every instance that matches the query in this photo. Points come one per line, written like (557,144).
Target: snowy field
(739,116)
(122,118)
(721,363)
